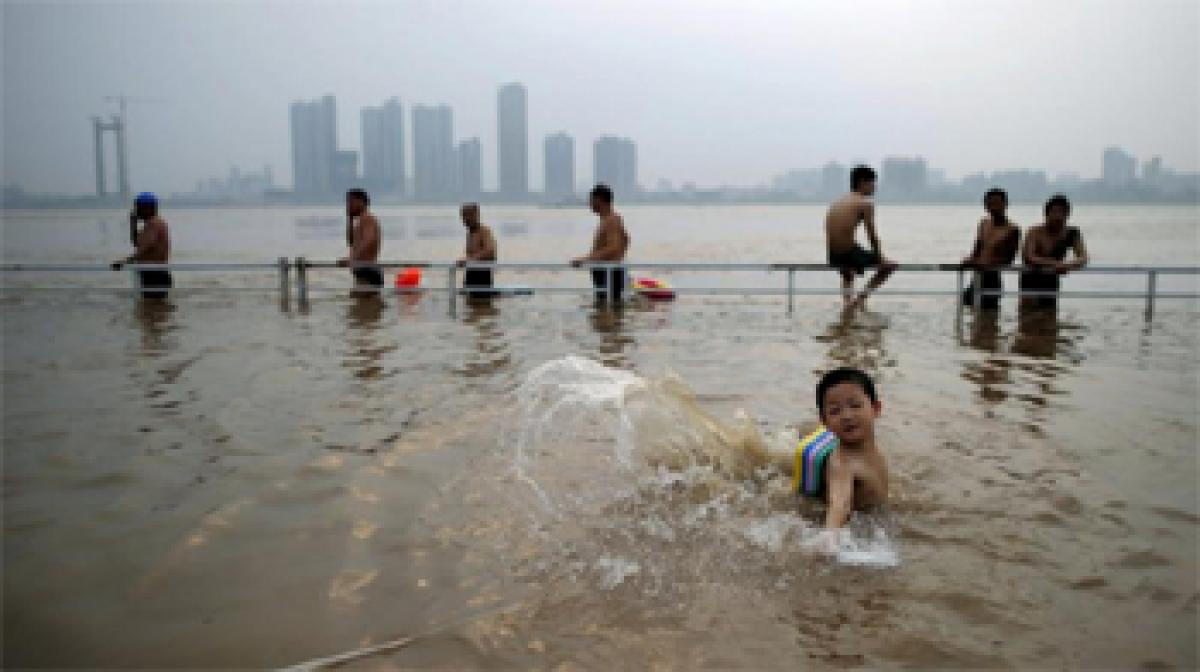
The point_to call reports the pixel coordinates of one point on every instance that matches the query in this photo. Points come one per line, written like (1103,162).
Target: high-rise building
(835,179)
(434,177)
(614,162)
(314,144)
(560,166)
(345,170)
(1118,167)
(383,147)
(470,169)
(905,176)
(513,141)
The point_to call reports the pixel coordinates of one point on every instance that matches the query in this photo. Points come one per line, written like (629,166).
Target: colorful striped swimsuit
(812,454)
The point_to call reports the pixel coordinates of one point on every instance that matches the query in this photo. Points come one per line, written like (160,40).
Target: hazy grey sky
(714,92)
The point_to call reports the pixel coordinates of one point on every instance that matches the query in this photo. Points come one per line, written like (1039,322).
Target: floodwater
(229,480)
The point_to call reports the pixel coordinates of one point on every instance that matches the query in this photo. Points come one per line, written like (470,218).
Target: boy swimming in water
(840,462)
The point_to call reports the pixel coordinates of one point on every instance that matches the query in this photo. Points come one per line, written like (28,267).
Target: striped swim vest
(812,453)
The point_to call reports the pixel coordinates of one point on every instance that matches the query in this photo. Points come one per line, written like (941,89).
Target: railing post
(608,283)
(1151,288)
(958,311)
(283,277)
(452,288)
(977,295)
(301,279)
(791,272)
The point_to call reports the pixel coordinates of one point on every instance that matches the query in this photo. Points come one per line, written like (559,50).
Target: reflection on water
(491,348)
(1023,366)
(856,339)
(609,323)
(155,317)
(365,352)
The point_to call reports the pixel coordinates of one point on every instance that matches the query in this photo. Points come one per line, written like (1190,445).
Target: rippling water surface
(224,480)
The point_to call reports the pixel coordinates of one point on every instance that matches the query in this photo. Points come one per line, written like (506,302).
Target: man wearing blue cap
(152,245)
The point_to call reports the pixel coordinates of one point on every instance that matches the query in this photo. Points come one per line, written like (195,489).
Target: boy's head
(848,405)
(862,180)
(1057,209)
(357,201)
(601,199)
(995,201)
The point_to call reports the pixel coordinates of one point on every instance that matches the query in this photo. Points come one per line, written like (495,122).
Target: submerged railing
(302,266)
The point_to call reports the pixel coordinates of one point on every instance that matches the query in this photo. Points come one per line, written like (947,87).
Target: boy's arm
(1011,243)
(1081,255)
(868,218)
(839,494)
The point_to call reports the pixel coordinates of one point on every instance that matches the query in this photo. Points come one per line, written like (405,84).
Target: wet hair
(360,194)
(469,205)
(841,375)
(602,192)
(1059,200)
(861,174)
(995,191)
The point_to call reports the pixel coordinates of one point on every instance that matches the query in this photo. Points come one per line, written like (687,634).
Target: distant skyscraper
(1118,168)
(904,175)
(345,170)
(834,179)
(560,166)
(383,147)
(614,162)
(434,176)
(470,169)
(314,144)
(513,137)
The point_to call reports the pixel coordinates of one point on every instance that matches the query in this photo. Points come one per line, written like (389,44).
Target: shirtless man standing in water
(609,245)
(152,245)
(364,240)
(845,254)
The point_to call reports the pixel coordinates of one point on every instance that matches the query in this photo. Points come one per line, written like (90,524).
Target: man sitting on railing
(364,239)
(481,246)
(609,245)
(996,245)
(1045,253)
(152,245)
(845,254)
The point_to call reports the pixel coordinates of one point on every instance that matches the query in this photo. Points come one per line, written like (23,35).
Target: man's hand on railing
(578,261)
(343,262)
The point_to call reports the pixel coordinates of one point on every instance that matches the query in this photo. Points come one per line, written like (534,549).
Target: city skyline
(732,95)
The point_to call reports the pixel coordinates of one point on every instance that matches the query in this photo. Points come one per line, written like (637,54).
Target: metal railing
(301,267)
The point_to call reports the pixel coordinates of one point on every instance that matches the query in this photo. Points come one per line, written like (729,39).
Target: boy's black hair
(995,191)
(1057,199)
(360,194)
(841,375)
(603,192)
(859,175)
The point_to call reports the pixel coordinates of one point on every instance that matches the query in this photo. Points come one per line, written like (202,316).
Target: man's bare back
(843,218)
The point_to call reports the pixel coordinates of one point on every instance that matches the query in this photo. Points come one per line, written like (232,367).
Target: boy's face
(850,413)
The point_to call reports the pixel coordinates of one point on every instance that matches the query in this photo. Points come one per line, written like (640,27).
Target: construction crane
(118,126)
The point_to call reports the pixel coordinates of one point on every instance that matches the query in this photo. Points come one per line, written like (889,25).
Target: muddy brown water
(221,482)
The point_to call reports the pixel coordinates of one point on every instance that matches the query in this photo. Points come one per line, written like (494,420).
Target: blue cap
(146,198)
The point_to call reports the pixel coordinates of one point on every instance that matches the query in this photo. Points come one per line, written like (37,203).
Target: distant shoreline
(35,203)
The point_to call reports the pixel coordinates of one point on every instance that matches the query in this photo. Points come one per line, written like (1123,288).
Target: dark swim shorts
(856,259)
(368,275)
(155,283)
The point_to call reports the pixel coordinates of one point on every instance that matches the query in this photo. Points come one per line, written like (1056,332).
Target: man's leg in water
(847,286)
(885,271)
